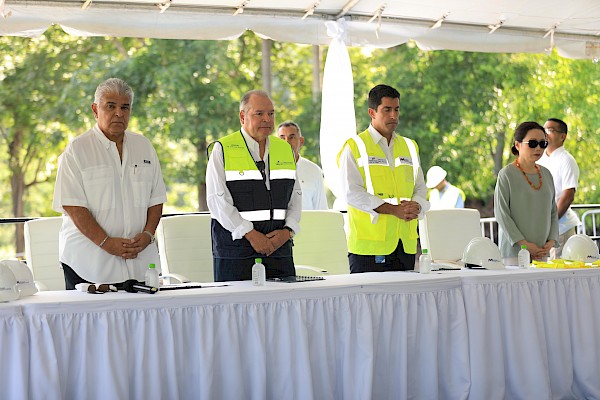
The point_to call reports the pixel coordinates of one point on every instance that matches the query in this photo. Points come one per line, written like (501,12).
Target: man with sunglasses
(565,173)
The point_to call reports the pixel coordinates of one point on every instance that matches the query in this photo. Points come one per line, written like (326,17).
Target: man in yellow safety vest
(384,188)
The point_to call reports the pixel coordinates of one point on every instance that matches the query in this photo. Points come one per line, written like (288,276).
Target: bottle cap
(424,251)
(523,246)
(151,266)
(258,260)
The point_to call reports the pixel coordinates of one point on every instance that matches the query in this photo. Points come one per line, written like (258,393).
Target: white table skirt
(348,338)
(534,334)
(14,350)
(512,334)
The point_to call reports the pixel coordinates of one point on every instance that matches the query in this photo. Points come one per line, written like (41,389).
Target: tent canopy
(573,27)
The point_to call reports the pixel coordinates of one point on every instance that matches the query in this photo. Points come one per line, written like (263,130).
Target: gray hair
(111,86)
(246,97)
(287,124)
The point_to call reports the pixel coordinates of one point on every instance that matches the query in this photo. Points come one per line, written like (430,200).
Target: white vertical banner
(338,122)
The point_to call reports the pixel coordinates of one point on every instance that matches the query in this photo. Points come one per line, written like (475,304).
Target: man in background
(565,173)
(310,174)
(443,194)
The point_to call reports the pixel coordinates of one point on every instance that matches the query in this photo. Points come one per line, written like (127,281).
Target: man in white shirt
(384,188)
(110,189)
(443,194)
(254,198)
(310,174)
(565,173)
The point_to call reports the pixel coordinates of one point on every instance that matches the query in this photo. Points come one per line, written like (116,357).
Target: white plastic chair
(320,246)
(185,247)
(446,233)
(41,252)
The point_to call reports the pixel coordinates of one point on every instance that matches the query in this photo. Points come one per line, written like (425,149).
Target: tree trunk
(267,44)
(17,186)
(499,152)
(201,157)
(316,73)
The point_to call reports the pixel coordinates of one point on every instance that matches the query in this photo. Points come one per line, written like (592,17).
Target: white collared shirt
(311,180)
(220,201)
(565,174)
(117,194)
(353,185)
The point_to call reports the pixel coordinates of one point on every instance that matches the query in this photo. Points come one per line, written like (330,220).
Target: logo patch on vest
(405,160)
(377,160)
(279,162)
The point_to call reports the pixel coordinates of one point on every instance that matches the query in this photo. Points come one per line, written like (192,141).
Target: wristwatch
(292,233)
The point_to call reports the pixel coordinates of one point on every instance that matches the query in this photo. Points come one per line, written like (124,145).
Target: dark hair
(379,92)
(561,124)
(287,124)
(521,132)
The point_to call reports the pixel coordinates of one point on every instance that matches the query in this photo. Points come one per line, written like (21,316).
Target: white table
(514,334)
(533,334)
(14,350)
(397,335)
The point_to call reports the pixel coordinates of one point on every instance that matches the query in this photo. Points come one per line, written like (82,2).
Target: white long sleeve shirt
(220,201)
(311,180)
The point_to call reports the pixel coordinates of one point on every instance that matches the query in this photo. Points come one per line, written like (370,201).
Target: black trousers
(72,279)
(227,269)
(398,260)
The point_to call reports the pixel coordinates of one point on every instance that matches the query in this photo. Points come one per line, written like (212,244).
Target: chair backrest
(41,252)
(185,246)
(446,233)
(321,242)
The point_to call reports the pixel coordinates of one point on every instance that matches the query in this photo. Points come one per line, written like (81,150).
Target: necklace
(539,172)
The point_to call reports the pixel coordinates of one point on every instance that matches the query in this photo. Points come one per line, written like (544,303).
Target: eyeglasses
(534,143)
(552,130)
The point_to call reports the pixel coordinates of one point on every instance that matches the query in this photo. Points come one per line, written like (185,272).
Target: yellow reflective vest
(392,185)
(266,209)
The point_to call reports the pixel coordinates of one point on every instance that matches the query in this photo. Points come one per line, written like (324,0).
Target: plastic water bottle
(523,257)
(425,262)
(152,276)
(259,275)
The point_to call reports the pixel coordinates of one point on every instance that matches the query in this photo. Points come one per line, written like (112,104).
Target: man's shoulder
(306,163)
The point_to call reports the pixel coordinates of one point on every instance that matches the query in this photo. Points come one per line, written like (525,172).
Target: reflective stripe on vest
(263,215)
(282,174)
(247,175)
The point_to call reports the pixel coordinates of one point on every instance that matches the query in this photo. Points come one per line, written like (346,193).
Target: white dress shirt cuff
(241,230)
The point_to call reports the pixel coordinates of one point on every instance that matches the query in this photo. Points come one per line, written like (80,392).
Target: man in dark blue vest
(253,195)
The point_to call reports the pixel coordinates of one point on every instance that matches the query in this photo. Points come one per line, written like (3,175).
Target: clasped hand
(127,248)
(268,243)
(407,210)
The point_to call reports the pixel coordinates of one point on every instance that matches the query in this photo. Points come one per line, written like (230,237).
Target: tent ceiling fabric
(535,26)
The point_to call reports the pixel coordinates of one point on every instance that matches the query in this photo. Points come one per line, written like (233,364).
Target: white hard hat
(580,248)
(23,275)
(481,252)
(8,284)
(434,176)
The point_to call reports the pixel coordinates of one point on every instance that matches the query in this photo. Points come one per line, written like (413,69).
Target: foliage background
(461,107)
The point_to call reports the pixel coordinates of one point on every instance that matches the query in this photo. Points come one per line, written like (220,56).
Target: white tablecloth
(533,334)
(14,350)
(513,334)
(350,337)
